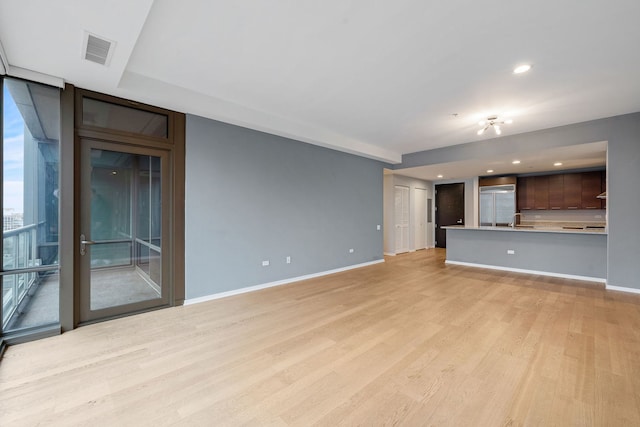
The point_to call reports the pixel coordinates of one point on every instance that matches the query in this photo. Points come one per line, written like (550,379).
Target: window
(30,182)
(107,115)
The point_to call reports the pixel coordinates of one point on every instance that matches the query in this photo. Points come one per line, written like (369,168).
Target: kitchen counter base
(524,271)
(572,255)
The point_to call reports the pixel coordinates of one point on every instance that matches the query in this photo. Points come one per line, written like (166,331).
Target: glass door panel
(29,133)
(122,231)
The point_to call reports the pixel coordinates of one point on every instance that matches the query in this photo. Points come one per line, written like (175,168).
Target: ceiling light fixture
(493,121)
(557,164)
(516,162)
(440,176)
(489,170)
(522,69)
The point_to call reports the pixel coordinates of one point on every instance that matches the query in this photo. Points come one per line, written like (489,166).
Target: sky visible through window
(13,155)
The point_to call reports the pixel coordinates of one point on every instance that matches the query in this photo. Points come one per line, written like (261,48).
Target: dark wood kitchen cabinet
(603,188)
(572,191)
(561,191)
(556,194)
(541,192)
(525,193)
(591,187)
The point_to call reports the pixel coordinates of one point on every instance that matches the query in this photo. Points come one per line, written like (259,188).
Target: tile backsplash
(579,216)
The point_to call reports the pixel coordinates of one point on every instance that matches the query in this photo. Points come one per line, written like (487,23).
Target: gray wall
(252,196)
(564,253)
(623,169)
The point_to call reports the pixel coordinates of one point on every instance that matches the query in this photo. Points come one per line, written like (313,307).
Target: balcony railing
(19,251)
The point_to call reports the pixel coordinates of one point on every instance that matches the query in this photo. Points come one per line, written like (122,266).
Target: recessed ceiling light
(440,176)
(521,69)
(489,170)
(516,162)
(557,164)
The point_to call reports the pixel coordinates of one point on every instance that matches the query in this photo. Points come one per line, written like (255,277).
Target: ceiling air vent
(97,49)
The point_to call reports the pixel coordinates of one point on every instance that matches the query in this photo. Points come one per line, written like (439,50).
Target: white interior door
(401,217)
(420,218)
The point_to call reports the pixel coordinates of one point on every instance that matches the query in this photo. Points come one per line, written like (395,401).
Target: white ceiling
(377,79)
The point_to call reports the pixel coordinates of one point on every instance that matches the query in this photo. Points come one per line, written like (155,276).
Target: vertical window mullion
(150,200)
(2,279)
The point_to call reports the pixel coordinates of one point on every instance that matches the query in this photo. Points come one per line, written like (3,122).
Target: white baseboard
(623,289)
(413,250)
(276,283)
(521,270)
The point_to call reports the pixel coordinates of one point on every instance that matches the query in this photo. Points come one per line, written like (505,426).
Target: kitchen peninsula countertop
(532,229)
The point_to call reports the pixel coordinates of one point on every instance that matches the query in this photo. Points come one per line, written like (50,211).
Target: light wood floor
(409,342)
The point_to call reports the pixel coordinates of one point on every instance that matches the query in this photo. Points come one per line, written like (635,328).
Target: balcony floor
(41,308)
(114,287)
(109,288)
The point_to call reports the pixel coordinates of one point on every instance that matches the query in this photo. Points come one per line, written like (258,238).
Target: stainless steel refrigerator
(497,205)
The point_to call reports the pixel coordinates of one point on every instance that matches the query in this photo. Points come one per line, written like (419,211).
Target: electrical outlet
(265,263)
(378,227)
(288,260)
(510,252)
(351,251)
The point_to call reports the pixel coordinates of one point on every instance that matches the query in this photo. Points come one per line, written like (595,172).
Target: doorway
(449,209)
(122,245)
(130,229)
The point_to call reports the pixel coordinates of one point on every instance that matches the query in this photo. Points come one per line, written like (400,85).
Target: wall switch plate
(378,227)
(350,251)
(288,260)
(265,263)
(510,252)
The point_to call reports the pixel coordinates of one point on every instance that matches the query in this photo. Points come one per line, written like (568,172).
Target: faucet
(513,224)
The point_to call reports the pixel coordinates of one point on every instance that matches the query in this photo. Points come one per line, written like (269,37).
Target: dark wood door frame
(72,130)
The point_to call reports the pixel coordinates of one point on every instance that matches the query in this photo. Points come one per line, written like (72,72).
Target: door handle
(84,243)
